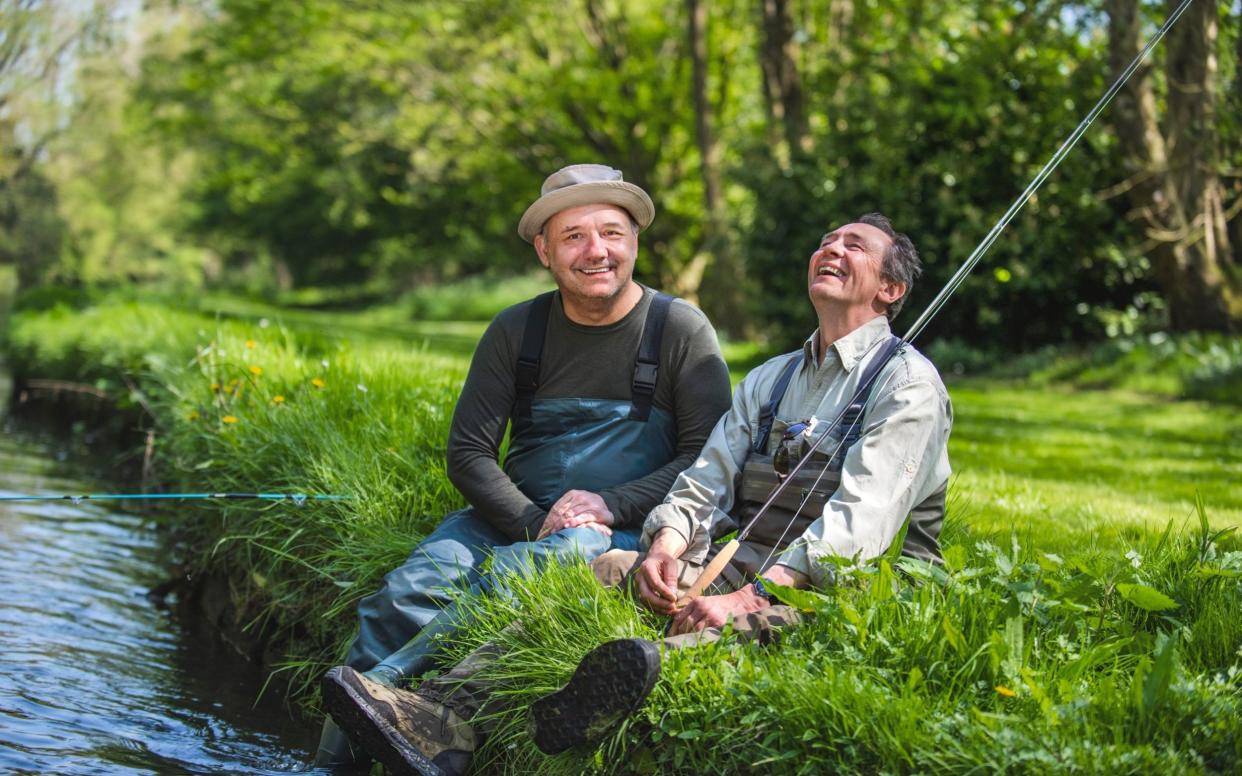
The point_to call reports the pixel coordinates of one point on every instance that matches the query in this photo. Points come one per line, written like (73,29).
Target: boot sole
(347,700)
(610,684)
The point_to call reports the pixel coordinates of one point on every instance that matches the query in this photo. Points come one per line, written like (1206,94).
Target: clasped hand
(575,508)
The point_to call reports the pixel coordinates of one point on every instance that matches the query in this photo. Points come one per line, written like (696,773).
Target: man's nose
(596,246)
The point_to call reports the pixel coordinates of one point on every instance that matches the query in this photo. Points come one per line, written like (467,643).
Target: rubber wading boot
(609,685)
(406,731)
(337,753)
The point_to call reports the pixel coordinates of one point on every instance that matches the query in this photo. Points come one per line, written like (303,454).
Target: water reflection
(96,678)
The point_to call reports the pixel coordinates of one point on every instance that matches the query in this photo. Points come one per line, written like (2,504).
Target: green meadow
(1086,619)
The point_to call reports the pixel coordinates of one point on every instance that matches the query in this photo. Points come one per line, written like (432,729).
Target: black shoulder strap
(526,376)
(767,415)
(850,427)
(647,367)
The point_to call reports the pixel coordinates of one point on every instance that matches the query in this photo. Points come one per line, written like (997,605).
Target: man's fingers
(654,576)
(582,518)
(605,530)
(686,624)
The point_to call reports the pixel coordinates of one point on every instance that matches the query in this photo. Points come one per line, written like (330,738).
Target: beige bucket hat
(585,184)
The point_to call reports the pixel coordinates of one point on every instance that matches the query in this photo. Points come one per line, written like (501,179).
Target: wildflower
(1004,691)
(193,415)
(256,370)
(264,323)
(317,382)
(250,344)
(215,387)
(278,399)
(362,387)
(324,363)
(230,419)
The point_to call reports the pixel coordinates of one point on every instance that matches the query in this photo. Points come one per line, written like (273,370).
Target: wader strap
(850,427)
(768,414)
(526,376)
(647,367)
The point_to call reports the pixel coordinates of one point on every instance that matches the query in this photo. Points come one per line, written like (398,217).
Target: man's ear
(541,248)
(890,291)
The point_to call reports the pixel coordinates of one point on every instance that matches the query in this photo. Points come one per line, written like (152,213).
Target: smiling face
(844,274)
(590,251)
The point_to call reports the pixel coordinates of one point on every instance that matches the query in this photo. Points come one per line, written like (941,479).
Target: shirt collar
(852,347)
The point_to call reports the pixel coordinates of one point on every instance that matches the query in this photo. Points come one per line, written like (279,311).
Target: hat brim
(624,195)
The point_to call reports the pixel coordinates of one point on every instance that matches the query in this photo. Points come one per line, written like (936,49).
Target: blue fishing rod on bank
(296,498)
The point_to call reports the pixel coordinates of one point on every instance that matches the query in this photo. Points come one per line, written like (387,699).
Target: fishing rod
(296,498)
(717,564)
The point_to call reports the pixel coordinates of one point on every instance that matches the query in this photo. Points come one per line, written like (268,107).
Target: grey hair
(901,259)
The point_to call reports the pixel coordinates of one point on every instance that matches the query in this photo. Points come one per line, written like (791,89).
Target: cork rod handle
(710,573)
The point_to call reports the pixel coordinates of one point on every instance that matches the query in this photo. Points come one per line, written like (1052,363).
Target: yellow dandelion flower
(215,386)
(229,419)
(193,415)
(256,370)
(317,382)
(1004,691)
(250,344)
(278,399)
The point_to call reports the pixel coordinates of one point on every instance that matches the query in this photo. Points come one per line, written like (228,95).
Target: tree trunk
(1175,186)
(782,84)
(717,269)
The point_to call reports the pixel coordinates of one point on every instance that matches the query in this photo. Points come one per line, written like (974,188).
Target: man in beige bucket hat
(608,390)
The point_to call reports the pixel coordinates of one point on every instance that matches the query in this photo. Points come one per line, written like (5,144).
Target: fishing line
(296,498)
(824,470)
(954,282)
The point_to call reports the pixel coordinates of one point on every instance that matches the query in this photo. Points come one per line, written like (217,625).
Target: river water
(95,677)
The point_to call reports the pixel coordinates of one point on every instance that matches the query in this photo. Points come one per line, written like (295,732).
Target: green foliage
(1003,660)
(1199,366)
(261,147)
(1187,366)
(962,107)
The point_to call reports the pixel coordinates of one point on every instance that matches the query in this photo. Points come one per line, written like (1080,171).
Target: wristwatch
(763,592)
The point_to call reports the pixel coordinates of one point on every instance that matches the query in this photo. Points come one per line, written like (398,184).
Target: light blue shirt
(900,459)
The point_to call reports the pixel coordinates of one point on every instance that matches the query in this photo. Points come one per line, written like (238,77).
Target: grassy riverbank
(1087,620)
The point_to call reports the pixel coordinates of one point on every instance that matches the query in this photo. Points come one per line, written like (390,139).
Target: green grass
(1066,466)
(1084,481)
(1008,660)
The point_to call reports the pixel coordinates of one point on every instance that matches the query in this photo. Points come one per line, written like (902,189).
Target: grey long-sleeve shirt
(900,459)
(583,362)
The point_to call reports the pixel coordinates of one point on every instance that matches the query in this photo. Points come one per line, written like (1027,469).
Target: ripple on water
(96,678)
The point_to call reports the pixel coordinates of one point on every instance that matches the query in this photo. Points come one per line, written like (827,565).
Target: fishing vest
(587,443)
(803,500)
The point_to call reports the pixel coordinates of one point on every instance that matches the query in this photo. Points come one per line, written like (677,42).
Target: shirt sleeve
(899,460)
(697,507)
(475,436)
(700,386)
